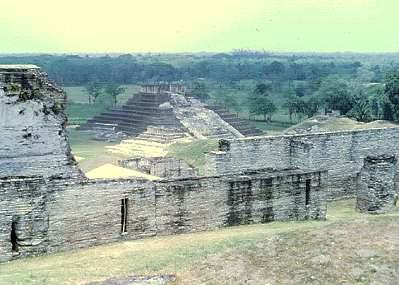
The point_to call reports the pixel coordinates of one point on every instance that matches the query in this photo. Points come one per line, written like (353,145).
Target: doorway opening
(307,198)
(14,237)
(124,205)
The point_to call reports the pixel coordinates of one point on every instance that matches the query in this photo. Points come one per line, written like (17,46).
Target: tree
(230,102)
(312,106)
(114,91)
(262,106)
(361,110)
(259,103)
(290,104)
(262,89)
(275,72)
(375,93)
(93,90)
(295,106)
(335,95)
(375,107)
(365,75)
(300,90)
(199,91)
(392,92)
(387,109)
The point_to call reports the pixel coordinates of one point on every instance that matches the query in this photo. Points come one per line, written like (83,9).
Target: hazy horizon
(177,26)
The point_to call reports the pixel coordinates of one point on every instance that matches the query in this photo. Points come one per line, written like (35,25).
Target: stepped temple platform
(163,113)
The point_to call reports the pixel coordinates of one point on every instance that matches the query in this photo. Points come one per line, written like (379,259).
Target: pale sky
(198,25)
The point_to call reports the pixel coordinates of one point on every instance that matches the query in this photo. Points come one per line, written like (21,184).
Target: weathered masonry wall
(213,202)
(32,125)
(23,217)
(84,213)
(377,191)
(341,153)
(66,213)
(160,166)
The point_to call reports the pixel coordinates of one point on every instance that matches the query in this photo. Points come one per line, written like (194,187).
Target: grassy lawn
(79,113)
(193,152)
(280,252)
(78,108)
(78,94)
(93,153)
(83,145)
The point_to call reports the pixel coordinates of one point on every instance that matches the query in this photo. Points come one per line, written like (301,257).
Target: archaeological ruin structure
(163,112)
(342,153)
(160,166)
(47,204)
(377,184)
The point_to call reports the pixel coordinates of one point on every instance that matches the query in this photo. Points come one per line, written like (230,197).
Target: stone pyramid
(164,112)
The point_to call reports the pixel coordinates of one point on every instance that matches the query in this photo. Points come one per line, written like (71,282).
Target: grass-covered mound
(321,123)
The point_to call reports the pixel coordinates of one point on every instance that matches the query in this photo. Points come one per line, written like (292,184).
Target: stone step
(240,125)
(159,137)
(119,118)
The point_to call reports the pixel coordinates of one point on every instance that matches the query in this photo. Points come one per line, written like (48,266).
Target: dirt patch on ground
(140,280)
(365,251)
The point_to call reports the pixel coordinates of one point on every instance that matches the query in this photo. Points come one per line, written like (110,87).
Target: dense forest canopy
(76,70)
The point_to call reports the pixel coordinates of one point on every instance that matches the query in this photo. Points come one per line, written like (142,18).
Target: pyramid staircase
(143,117)
(136,115)
(239,124)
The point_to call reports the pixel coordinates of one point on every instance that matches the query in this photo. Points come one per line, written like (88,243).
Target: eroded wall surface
(62,214)
(377,191)
(23,217)
(341,153)
(32,126)
(160,166)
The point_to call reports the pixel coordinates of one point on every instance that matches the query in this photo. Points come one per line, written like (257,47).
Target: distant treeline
(76,70)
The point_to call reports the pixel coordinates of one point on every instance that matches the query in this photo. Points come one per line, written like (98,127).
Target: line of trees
(74,70)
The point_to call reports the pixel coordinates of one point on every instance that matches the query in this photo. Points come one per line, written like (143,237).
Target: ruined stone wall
(23,211)
(89,213)
(32,126)
(341,153)
(61,214)
(377,191)
(208,203)
(160,166)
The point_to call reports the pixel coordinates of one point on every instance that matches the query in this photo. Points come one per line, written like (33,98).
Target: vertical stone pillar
(377,190)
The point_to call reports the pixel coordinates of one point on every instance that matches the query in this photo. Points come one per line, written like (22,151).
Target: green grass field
(283,250)
(78,94)
(93,153)
(78,108)
(83,145)
(79,113)
(194,152)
